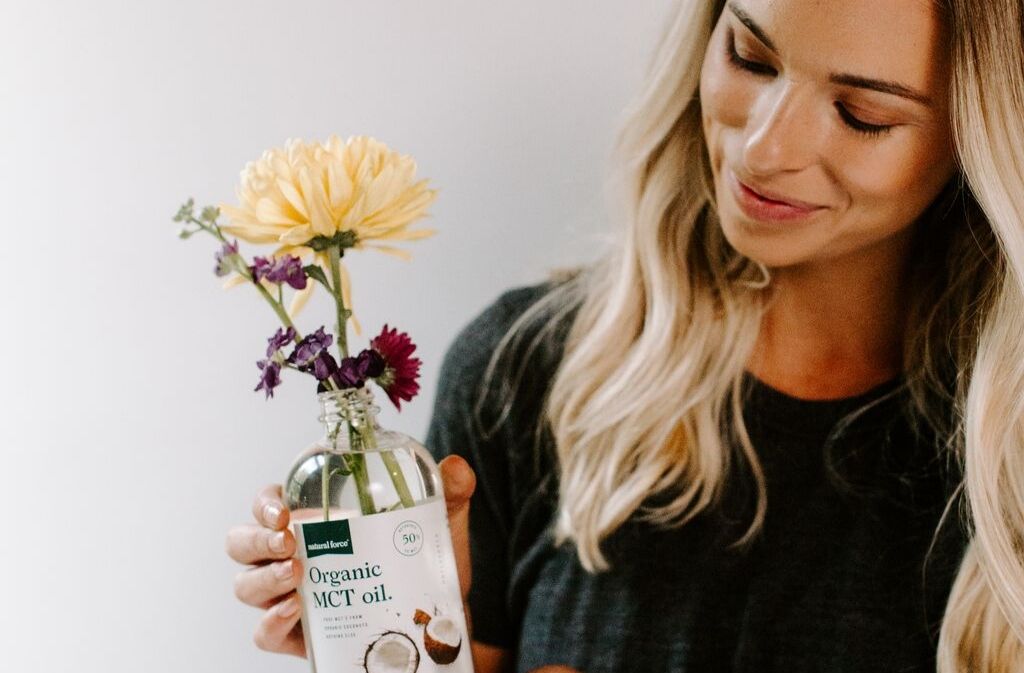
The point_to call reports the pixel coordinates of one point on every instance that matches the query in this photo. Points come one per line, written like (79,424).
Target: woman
(779,425)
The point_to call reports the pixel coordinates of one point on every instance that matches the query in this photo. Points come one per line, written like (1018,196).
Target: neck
(835,328)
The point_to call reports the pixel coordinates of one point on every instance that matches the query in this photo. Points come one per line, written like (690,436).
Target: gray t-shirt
(838,581)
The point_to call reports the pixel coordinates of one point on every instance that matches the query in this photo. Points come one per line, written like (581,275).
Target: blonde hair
(647,397)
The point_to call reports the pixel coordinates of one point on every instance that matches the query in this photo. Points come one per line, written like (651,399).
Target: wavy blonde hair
(673,306)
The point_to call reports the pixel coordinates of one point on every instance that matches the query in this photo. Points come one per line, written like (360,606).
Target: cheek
(897,183)
(724,97)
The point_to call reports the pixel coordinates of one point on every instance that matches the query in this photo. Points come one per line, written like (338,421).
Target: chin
(770,251)
(772,246)
(775,245)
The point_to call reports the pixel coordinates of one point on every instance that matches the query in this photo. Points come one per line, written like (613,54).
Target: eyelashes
(755,68)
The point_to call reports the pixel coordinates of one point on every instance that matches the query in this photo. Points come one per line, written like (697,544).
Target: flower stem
(325,483)
(278,309)
(391,464)
(361,475)
(334,257)
(243,270)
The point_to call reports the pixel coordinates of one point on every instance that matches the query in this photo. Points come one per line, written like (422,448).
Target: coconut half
(392,652)
(442,640)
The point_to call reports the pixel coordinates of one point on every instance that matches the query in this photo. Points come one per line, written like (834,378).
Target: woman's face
(838,108)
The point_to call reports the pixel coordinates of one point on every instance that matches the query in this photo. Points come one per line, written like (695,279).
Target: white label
(380,593)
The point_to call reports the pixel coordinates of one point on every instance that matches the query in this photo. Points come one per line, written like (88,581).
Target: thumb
(459,484)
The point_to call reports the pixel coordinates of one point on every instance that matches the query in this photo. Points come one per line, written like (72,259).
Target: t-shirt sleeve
(455,428)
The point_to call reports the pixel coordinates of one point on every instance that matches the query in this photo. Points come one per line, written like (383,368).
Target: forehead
(899,40)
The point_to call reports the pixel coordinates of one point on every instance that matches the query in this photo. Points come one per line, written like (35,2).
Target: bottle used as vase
(380,591)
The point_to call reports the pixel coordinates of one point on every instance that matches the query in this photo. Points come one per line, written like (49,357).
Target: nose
(781,133)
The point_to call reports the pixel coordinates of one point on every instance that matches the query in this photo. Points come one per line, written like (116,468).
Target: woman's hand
(270,582)
(273,575)
(459,484)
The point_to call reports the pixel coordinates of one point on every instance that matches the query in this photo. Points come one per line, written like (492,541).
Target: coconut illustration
(392,652)
(441,637)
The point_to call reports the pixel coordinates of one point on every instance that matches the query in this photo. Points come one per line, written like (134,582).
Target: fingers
(459,484)
(279,630)
(262,586)
(270,585)
(255,544)
(268,508)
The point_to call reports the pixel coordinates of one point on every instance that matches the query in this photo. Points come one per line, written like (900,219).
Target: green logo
(327,537)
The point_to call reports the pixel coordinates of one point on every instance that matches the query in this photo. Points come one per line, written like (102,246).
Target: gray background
(131,438)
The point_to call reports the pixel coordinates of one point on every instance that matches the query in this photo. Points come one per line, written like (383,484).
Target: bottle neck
(350,418)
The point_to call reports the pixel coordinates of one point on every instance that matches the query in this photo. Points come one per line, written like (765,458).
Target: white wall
(131,438)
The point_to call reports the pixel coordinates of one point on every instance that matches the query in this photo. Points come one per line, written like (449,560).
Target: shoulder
(520,324)
(500,363)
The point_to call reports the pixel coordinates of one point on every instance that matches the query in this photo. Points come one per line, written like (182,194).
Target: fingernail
(287,607)
(283,570)
(277,541)
(272,512)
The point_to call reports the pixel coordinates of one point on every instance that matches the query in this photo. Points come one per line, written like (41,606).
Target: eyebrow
(847,79)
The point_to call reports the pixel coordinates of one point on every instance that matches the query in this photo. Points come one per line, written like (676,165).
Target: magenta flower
(401,371)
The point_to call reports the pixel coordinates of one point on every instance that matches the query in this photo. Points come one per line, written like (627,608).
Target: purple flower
(309,347)
(279,340)
(323,366)
(353,372)
(261,266)
(270,377)
(223,267)
(286,269)
(349,374)
(370,364)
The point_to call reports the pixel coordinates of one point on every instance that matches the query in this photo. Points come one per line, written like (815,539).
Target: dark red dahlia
(401,370)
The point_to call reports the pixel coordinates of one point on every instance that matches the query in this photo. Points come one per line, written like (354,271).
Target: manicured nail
(272,512)
(277,541)
(287,607)
(283,570)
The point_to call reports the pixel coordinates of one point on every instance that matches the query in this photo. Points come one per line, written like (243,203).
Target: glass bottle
(380,592)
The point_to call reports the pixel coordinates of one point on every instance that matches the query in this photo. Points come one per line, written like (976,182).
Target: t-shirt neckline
(811,418)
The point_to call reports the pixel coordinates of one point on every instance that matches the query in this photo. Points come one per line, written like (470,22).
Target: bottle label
(380,593)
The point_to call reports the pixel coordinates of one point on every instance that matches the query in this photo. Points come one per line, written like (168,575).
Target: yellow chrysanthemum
(294,194)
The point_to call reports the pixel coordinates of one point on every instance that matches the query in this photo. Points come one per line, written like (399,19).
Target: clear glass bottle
(380,593)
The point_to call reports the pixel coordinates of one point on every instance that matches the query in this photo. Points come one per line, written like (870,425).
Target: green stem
(325,483)
(361,475)
(392,466)
(243,270)
(334,257)
(278,308)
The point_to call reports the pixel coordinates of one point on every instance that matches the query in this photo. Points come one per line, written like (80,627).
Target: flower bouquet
(367,507)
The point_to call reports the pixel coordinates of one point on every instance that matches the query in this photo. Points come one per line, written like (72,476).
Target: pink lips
(758,207)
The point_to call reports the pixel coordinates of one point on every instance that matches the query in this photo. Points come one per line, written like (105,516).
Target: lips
(768,206)
(769,195)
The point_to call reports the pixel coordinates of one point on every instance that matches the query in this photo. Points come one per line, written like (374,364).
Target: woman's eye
(742,63)
(871,130)
(858,125)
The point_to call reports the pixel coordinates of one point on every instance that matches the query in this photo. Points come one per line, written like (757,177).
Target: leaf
(317,274)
